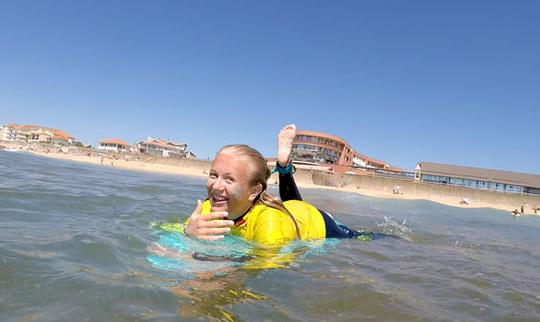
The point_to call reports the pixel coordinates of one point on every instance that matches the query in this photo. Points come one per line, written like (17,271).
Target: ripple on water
(86,250)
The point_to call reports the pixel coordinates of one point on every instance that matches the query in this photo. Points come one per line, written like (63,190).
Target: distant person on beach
(238,203)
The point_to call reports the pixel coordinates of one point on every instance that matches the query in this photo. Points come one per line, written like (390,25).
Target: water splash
(392,227)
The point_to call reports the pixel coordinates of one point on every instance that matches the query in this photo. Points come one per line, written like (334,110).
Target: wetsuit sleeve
(287,187)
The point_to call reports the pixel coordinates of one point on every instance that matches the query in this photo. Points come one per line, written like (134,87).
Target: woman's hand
(208,227)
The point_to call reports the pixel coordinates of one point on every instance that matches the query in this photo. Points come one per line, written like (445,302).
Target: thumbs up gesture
(211,226)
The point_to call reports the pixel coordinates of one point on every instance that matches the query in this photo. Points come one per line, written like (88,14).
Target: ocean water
(77,244)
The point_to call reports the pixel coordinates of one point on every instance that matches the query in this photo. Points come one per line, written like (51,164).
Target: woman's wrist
(288,169)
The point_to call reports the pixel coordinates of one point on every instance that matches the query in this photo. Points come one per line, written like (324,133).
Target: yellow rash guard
(270,226)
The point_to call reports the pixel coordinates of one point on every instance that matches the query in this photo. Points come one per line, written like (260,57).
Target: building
(190,155)
(25,133)
(317,148)
(62,138)
(8,133)
(115,145)
(35,134)
(478,178)
(164,148)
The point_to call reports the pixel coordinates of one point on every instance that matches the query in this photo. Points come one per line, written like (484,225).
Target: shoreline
(378,188)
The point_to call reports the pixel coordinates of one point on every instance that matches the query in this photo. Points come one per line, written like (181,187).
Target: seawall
(451,195)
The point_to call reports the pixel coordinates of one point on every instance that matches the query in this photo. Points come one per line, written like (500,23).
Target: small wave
(392,227)
(461,244)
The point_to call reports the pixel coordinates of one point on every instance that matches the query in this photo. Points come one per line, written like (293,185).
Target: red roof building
(35,133)
(310,147)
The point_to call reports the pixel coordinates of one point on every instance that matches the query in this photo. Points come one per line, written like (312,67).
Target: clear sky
(402,81)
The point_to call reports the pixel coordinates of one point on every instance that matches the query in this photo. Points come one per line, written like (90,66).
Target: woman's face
(228,184)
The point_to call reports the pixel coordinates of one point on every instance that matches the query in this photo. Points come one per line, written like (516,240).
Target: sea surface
(78,242)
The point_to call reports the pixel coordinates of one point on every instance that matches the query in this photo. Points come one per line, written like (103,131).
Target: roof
(27,127)
(114,141)
(366,158)
(322,135)
(59,134)
(163,143)
(508,177)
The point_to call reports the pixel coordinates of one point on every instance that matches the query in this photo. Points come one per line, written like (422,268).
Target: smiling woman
(236,188)
(239,204)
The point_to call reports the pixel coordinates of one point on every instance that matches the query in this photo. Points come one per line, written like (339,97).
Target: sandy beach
(132,165)
(364,185)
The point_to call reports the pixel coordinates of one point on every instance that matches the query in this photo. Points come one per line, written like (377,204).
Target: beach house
(164,148)
(115,145)
(60,137)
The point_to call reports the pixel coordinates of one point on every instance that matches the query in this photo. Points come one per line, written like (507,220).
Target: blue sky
(402,81)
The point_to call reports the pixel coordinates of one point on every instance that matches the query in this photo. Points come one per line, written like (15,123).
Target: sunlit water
(76,241)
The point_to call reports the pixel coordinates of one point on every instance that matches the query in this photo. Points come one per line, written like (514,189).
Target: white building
(7,133)
(164,148)
(115,145)
(34,133)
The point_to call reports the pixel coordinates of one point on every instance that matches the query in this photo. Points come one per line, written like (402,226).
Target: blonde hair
(259,174)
